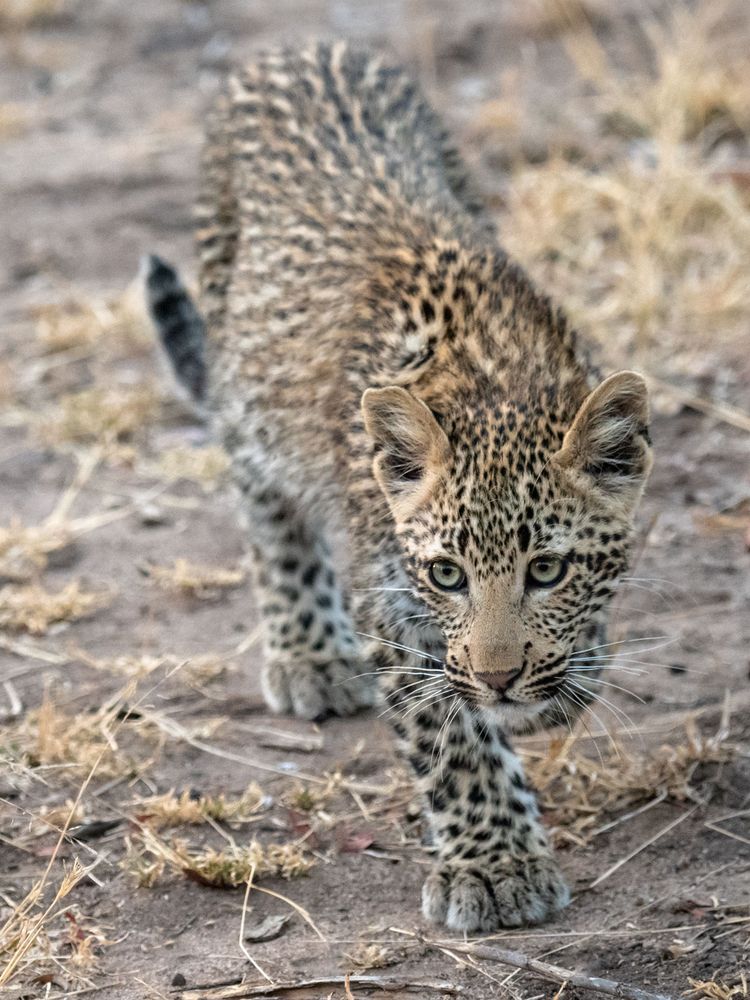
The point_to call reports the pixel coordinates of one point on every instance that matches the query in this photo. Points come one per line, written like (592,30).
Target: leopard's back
(320,167)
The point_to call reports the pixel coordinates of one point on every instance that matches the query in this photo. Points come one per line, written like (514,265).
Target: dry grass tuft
(205,465)
(33,609)
(148,857)
(98,415)
(186,808)
(311,798)
(713,989)
(194,670)
(201,670)
(193,580)
(132,666)
(119,324)
(24,549)
(370,956)
(68,325)
(578,791)
(82,743)
(24,937)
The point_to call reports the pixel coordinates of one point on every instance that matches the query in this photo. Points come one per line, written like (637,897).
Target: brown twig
(302,988)
(553,973)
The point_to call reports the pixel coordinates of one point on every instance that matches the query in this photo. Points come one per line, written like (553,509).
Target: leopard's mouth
(523,707)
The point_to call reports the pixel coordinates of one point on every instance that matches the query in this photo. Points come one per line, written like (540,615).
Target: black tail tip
(156,271)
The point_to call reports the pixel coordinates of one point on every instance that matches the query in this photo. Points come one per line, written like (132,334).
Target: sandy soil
(102,167)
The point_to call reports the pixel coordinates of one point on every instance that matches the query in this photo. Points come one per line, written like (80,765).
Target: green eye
(446,575)
(546,571)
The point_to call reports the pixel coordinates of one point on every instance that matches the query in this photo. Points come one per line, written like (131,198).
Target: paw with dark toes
(316,691)
(512,893)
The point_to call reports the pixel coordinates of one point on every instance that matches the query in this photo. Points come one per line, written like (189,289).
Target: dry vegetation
(637,216)
(233,866)
(185,808)
(85,743)
(643,225)
(32,609)
(205,465)
(192,580)
(581,788)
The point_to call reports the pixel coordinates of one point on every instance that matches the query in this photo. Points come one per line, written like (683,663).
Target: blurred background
(611,138)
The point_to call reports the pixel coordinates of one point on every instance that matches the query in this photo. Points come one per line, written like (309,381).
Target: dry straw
(50,736)
(194,580)
(148,857)
(645,234)
(204,465)
(31,608)
(578,791)
(186,808)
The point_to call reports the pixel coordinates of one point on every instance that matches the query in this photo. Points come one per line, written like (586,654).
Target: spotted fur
(392,389)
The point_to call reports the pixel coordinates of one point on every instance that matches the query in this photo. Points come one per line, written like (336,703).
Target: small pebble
(151,515)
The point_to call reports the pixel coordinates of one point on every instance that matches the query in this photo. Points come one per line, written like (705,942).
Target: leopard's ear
(608,445)
(410,446)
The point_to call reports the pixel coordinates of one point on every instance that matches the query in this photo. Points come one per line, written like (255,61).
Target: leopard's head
(515,523)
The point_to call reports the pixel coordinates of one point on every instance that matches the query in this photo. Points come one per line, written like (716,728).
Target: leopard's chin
(518,717)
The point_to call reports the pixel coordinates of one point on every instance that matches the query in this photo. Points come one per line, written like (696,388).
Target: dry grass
(370,956)
(79,744)
(114,326)
(24,549)
(33,609)
(579,791)
(648,232)
(713,989)
(135,666)
(187,809)
(57,817)
(105,416)
(148,857)
(644,234)
(698,84)
(193,580)
(205,466)
(24,937)
(312,798)
(194,670)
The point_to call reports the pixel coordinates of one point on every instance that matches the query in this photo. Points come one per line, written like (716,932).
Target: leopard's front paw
(509,893)
(315,690)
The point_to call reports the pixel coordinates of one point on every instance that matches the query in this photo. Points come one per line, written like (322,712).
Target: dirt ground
(105,477)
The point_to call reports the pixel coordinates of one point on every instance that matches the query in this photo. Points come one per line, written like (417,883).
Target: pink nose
(500,680)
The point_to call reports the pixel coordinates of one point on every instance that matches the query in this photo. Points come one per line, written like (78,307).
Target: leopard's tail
(180,326)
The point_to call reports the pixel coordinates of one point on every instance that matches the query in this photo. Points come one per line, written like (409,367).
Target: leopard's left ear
(608,446)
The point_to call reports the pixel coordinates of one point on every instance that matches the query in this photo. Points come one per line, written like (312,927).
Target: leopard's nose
(500,680)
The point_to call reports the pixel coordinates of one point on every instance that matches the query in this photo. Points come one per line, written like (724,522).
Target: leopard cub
(391,387)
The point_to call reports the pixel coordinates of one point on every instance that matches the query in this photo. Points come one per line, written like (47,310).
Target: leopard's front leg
(495,867)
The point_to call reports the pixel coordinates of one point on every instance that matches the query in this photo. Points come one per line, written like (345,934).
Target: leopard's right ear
(410,446)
